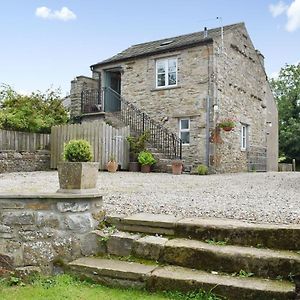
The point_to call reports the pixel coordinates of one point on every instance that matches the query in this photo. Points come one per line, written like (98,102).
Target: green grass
(64,287)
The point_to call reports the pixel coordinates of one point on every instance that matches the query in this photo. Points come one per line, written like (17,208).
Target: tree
(286,89)
(34,113)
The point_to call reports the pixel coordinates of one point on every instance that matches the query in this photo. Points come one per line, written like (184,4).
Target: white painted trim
(244,137)
(166,62)
(185,129)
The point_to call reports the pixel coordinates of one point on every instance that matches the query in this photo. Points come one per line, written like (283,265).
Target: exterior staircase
(233,259)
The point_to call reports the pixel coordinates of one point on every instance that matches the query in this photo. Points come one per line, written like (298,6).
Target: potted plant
(226,124)
(77,172)
(146,160)
(112,165)
(177,166)
(136,145)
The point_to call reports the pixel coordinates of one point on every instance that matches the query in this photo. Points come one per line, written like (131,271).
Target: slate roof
(178,42)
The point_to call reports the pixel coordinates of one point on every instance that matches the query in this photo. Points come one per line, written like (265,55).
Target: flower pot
(134,166)
(227,128)
(76,176)
(112,166)
(145,168)
(177,168)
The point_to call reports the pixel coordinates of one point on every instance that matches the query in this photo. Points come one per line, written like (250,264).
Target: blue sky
(46,43)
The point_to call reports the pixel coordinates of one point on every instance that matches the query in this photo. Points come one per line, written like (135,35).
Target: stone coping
(47,196)
(169,221)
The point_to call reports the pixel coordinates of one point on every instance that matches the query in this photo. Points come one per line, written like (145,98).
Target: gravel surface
(255,197)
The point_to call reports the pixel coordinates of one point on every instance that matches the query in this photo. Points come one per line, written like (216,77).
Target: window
(184,131)
(166,72)
(244,137)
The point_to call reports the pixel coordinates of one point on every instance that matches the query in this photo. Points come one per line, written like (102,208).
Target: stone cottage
(187,85)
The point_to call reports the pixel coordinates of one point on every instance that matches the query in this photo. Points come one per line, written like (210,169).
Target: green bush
(146,158)
(202,170)
(78,151)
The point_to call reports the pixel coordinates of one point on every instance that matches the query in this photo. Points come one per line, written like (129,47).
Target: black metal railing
(91,101)
(161,138)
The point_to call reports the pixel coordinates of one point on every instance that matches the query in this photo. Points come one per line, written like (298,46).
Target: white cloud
(293,14)
(278,9)
(65,14)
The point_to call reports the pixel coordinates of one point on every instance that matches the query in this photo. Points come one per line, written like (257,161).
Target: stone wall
(168,105)
(37,230)
(242,93)
(21,161)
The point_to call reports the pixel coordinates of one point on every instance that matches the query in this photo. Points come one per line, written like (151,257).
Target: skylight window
(166,43)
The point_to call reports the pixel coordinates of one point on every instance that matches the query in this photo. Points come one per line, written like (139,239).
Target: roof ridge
(191,33)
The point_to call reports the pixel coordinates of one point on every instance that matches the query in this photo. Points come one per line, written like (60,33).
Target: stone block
(91,244)
(149,247)
(27,273)
(5,229)
(38,253)
(11,204)
(18,218)
(121,243)
(79,222)
(6,261)
(48,219)
(73,206)
(35,235)
(38,205)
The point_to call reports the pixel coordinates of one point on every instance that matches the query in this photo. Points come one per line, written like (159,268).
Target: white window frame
(185,129)
(244,137)
(166,62)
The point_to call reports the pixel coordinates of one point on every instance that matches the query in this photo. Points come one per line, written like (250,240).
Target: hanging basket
(227,128)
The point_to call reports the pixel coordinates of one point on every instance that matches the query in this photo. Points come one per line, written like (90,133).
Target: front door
(112,100)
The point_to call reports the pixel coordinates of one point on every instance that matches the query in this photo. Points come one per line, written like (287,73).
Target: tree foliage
(286,89)
(34,113)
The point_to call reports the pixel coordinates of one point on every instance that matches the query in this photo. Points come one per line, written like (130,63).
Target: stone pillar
(79,84)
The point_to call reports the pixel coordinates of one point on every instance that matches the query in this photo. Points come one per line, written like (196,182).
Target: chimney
(261,57)
(205,32)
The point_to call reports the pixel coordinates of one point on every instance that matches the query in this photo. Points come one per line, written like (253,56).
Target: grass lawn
(66,287)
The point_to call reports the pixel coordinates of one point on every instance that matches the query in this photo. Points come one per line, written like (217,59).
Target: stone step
(230,259)
(234,232)
(154,278)
(205,256)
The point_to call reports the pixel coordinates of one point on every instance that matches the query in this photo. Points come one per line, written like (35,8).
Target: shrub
(226,123)
(78,151)
(146,158)
(138,144)
(202,170)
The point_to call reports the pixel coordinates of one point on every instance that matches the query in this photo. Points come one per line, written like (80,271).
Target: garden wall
(23,161)
(37,230)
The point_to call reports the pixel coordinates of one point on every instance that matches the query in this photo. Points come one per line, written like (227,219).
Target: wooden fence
(23,141)
(106,142)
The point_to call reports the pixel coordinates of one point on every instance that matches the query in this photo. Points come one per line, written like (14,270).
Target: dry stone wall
(37,230)
(23,161)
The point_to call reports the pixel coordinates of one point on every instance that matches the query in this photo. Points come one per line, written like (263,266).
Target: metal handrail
(161,138)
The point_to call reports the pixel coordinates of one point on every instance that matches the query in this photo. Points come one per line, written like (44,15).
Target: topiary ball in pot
(77,173)
(78,151)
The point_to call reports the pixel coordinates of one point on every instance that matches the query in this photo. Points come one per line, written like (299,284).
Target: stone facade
(37,230)
(218,79)
(21,161)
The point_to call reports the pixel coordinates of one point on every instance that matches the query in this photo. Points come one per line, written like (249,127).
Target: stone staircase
(235,260)
(163,163)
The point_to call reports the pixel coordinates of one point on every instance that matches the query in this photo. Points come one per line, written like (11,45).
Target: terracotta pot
(227,128)
(75,176)
(134,166)
(145,169)
(112,166)
(176,168)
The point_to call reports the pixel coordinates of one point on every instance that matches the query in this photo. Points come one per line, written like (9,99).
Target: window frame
(166,63)
(185,130)
(244,137)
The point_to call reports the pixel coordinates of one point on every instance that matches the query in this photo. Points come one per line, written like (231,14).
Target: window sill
(165,88)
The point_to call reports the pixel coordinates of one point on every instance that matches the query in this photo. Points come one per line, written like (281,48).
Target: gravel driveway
(256,197)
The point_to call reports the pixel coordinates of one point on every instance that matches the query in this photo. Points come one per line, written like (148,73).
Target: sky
(47,43)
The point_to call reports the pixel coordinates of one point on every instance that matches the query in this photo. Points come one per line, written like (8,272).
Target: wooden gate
(105,140)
